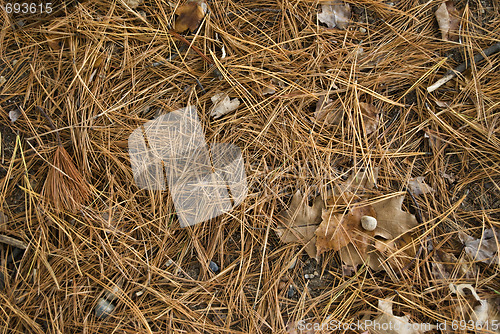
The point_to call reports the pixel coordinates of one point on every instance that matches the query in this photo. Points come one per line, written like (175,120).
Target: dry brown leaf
(392,221)
(395,324)
(352,257)
(397,252)
(484,249)
(448,19)
(418,186)
(338,230)
(335,14)
(328,111)
(446,266)
(300,221)
(370,116)
(190,15)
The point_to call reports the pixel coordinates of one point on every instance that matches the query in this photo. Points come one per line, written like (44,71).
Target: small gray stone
(213,266)
(306,276)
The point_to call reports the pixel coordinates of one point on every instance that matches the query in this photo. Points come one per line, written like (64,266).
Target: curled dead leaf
(484,249)
(299,222)
(189,16)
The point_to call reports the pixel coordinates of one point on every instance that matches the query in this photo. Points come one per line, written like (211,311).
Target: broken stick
(462,67)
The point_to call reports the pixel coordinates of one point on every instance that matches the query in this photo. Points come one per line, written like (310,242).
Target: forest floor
(333,124)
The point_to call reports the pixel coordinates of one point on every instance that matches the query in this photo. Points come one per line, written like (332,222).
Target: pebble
(103,308)
(2,80)
(362,30)
(307,276)
(291,291)
(213,266)
(169,263)
(316,273)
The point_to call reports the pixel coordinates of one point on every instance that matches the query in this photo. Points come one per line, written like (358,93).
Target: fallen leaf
(392,221)
(370,116)
(335,14)
(133,3)
(446,265)
(484,249)
(300,221)
(395,324)
(484,314)
(396,253)
(328,111)
(448,19)
(189,16)
(418,186)
(223,105)
(449,177)
(339,230)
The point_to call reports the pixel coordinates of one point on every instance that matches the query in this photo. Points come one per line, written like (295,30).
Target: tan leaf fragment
(223,105)
(395,324)
(190,15)
(418,186)
(392,221)
(484,249)
(300,221)
(448,19)
(370,116)
(335,14)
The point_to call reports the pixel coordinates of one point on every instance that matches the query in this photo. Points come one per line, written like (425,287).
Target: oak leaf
(392,221)
(300,221)
(189,16)
(338,230)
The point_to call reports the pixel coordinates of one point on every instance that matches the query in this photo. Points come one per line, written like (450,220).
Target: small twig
(462,67)
(189,44)
(12,242)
